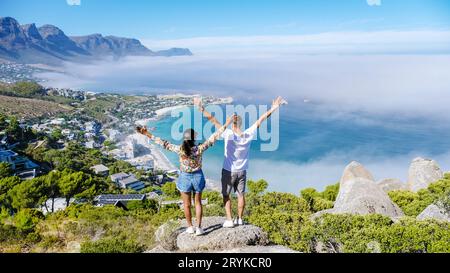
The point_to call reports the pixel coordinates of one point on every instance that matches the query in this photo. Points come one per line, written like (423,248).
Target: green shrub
(26,219)
(170,190)
(112,245)
(318,201)
(150,205)
(413,203)
(358,234)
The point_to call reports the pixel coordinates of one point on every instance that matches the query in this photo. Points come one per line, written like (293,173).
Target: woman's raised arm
(163,143)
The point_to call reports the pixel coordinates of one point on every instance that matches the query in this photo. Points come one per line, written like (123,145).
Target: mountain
(98,45)
(50,45)
(174,52)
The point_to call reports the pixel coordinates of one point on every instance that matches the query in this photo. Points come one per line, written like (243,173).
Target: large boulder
(422,173)
(355,170)
(392,184)
(435,212)
(352,171)
(170,237)
(360,194)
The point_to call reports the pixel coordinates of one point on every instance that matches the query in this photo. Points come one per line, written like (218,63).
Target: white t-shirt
(237,149)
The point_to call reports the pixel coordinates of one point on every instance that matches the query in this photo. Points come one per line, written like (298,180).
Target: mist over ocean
(315,147)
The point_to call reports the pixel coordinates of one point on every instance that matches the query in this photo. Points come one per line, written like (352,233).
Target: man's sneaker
(228,224)
(199,231)
(239,222)
(190,230)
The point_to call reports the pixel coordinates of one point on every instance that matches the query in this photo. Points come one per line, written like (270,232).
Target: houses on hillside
(21,165)
(127,181)
(119,200)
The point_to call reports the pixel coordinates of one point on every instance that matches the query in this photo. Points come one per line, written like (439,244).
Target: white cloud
(73,2)
(387,72)
(355,42)
(374,2)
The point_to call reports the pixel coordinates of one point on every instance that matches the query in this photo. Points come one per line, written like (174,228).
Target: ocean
(315,146)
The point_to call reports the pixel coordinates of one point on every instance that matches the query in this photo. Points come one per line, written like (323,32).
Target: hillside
(30,108)
(50,45)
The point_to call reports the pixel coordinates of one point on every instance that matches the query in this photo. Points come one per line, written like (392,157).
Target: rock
(217,238)
(392,184)
(166,235)
(329,247)
(433,211)
(362,196)
(359,194)
(245,249)
(260,249)
(351,172)
(422,173)
(170,237)
(73,247)
(355,170)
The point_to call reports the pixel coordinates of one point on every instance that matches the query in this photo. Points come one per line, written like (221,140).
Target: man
(237,147)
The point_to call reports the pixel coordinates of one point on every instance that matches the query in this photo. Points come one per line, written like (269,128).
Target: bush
(413,203)
(28,89)
(170,190)
(112,245)
(362,234)
(150,205)
(318,201)
(26,220)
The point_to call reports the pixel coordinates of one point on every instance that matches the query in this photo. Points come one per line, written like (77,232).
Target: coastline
(161,161)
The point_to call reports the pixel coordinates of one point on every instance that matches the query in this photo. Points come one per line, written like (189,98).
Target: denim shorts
(189,182)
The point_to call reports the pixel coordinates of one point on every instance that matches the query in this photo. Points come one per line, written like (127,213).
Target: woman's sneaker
(190,230)
(228,224)
(238,222)
(199,231)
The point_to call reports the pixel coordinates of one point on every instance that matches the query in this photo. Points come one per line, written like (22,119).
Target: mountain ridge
(49,44)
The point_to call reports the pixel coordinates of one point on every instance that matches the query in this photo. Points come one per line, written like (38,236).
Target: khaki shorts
(233,181)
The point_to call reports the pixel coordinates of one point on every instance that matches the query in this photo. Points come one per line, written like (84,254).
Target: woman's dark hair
(188,141)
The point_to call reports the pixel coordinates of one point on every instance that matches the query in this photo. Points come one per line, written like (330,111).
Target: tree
(6,184)
(13,130)
(27,194)
(78,184)
(51,188)
(5,170)
(56,134)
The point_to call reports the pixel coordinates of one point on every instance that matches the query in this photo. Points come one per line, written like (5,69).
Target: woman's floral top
(192,163)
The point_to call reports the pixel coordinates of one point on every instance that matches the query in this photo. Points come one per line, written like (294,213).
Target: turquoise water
(315,147)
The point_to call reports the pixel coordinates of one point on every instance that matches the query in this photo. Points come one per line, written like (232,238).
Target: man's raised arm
(211,118)
(275,105)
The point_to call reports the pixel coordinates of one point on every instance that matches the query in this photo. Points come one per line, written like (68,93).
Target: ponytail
(188,142)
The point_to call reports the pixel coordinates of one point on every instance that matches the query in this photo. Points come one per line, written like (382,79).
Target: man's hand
(198,102)
(278,102)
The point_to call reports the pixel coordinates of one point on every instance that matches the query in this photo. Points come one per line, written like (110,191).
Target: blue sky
(175,19)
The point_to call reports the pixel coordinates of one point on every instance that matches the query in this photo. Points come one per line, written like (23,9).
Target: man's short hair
(237,121)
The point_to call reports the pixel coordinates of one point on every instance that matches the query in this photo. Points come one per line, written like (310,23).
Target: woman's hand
(142,130)
(198,102)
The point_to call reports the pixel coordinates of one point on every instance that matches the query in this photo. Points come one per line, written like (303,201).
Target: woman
(191,175)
